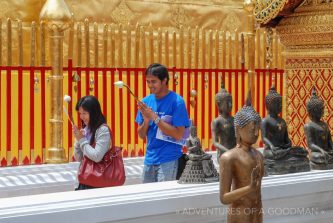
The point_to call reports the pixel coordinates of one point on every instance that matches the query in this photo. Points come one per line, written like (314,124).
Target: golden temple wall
(308,37)
(212,40)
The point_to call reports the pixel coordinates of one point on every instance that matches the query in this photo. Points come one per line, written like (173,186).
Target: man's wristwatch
(157,120)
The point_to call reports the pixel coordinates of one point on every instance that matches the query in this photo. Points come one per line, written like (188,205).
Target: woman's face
(84,116)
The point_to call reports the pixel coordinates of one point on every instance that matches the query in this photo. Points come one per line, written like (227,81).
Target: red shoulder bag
(108,172)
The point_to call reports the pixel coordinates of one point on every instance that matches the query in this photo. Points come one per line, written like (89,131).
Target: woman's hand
(78,133)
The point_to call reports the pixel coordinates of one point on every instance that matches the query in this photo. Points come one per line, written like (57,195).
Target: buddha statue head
(247,124)
(315,107)
(273,101)
(223,100)
(193,131)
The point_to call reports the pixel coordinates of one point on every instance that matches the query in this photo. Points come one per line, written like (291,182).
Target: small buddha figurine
(200,167)
(223,131)
(194,146)
(318,135)
(280,156)
(242,169)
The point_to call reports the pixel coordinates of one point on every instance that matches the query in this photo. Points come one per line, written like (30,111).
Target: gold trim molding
(310,27)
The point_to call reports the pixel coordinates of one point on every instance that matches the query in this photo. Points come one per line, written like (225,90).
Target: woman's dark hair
(159,71)
(96,118)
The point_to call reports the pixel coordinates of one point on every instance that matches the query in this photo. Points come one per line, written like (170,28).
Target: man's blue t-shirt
(160,151)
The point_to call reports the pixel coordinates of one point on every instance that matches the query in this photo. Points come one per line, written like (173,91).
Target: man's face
(155,85)
(249,133)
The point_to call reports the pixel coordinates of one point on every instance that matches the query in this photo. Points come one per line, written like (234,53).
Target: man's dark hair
(159,71)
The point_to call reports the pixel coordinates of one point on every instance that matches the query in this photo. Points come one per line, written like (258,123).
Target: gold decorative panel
(308,37)
(209,14)
(300,84)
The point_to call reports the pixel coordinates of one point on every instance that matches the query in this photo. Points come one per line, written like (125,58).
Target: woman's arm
(78,154)
(103,142)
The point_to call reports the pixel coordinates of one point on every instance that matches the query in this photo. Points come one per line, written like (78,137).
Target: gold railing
(116,45)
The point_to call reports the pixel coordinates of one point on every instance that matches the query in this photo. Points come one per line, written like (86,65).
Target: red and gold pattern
(303,75)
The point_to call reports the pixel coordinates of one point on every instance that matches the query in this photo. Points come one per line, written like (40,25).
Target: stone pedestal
(194,172)
(315,166)
(285,166)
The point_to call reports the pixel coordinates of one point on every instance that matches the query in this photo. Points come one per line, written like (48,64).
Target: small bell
(36,82)
(76,78)
(91,84)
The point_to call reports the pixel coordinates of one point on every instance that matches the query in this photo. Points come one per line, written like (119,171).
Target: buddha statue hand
(298,151)
(255,178)
(279,153)
(327,156)
(206,156)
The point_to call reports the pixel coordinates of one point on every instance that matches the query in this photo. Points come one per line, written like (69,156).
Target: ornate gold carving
(267,10)
(310,27)
(290,91)
(309,62)
(122,13)
(178,16)
(302,111)
(309,5)
(304,74)
(231,22)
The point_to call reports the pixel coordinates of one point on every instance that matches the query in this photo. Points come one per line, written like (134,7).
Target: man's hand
(147,113)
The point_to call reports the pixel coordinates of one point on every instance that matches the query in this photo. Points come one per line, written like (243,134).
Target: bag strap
(113,147)
(104,124)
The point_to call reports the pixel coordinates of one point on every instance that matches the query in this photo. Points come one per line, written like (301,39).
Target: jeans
(158,173)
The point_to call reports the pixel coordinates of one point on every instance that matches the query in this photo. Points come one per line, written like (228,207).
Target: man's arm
(175,132)
(143,129)
(167,129)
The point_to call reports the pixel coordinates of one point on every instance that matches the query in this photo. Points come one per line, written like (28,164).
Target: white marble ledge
(171,202)
(49,178)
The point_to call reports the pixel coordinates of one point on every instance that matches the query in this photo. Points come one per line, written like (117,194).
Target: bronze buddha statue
(280,156)
(242,169)
(318,135)
(223,130)
(200,167)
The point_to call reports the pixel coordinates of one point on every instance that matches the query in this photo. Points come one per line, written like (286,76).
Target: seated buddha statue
(193,145)
(280,156)
(200,167)
(223,130)
(318,136)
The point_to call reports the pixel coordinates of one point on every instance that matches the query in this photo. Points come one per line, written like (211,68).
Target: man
(162,118)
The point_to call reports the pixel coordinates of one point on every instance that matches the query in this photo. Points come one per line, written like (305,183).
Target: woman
(94,140)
